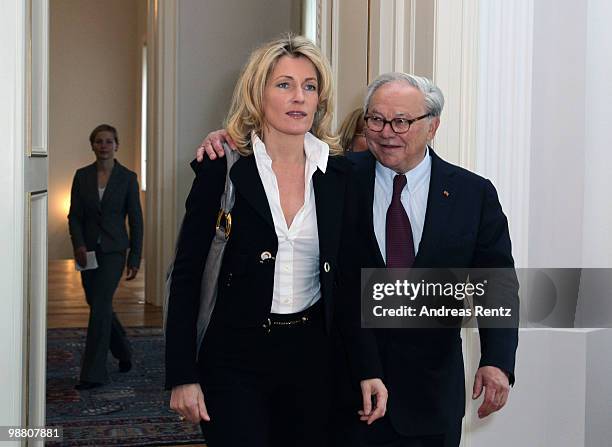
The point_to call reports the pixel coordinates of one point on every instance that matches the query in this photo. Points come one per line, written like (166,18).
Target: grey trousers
(104,330)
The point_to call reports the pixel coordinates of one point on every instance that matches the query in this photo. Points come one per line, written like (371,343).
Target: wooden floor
(67,307)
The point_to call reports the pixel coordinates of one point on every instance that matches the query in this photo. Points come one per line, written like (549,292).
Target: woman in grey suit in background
(103,194)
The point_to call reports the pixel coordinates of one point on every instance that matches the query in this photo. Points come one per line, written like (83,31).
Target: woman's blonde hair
(246,111)
(349,127)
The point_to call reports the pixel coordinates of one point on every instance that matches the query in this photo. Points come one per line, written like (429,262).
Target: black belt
(307,317)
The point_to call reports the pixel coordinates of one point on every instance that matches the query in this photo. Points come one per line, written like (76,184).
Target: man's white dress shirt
(414,200)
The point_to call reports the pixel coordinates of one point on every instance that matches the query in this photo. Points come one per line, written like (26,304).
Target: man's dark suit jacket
(90,219)
(423,368)
(246,280)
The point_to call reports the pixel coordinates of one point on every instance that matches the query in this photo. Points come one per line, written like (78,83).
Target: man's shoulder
(458,173)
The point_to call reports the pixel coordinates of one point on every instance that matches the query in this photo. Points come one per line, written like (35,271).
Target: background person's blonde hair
(246,110)
(349,127)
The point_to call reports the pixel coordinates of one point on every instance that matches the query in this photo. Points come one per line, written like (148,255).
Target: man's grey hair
(434,99)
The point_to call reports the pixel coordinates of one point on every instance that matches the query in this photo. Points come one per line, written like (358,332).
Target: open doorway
(95,77)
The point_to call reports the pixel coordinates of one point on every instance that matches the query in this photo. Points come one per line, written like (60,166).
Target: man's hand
(373,388)
(212,145)
(131,273)
(188,401)
(80,256)
(497,388)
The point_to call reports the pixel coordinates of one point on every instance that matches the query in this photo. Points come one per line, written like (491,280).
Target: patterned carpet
(131,411)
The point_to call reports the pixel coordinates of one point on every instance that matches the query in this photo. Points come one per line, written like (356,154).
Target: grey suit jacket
(91,220)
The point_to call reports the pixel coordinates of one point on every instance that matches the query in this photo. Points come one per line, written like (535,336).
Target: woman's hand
(212,145)
(188,401)
(131,273)
(80,256)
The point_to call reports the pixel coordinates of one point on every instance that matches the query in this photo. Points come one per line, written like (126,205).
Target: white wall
(570,208)
(214,41)
(94,78)
(561,396)
(598,392)
(559,141)
(597,210)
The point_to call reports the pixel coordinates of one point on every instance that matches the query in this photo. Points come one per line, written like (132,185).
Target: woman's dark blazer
(90,219)
(246,280)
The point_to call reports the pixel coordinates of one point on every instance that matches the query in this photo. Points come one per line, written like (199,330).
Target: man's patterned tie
(399,242)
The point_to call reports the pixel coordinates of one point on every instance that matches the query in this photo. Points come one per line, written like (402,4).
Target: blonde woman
(352,134)
(262,377)
(103,194)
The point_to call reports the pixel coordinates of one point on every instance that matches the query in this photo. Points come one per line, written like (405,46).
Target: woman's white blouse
(296,270)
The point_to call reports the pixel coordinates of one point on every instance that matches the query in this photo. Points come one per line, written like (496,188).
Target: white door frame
(23,232)
(161,209)
(12,234)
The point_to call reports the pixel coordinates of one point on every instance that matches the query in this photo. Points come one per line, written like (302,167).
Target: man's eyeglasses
(399,125)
